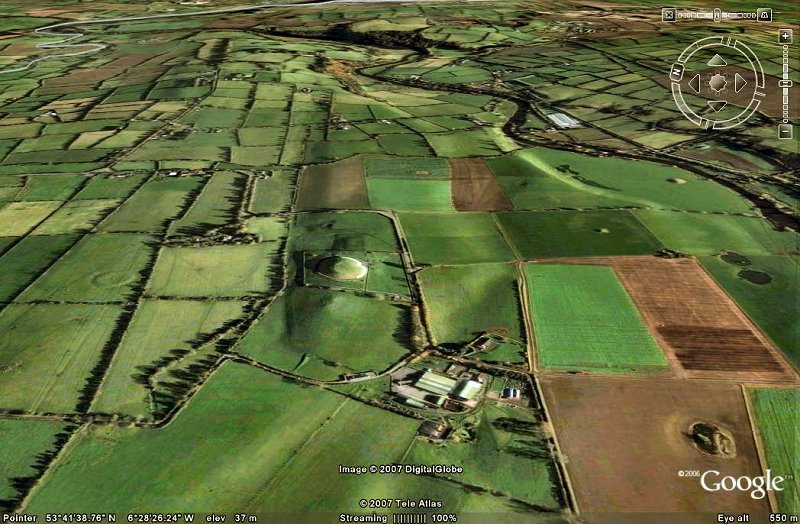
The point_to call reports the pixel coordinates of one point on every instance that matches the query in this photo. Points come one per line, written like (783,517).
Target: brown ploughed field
(626,440)
(475,188)
(339,185)
(698,326)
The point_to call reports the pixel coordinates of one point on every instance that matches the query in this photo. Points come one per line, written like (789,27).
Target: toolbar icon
(784,36)
(764,14)
(669,14)
(784,131)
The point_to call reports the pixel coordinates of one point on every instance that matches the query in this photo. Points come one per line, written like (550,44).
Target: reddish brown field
(475,188)
(339,185)
(698,326)
(625,442)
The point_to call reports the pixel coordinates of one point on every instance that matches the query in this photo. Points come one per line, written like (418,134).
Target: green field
(76,216)
(49,187)
(215,271)
(544,179)
(778,423)
(583,319)
(17,218)
(148,339)
(533,185)
(100,268)
(772,306)
(153,205)
(216,205)
(242,406)
(186,470)
(508,455)
(343,232)
(464,238)
(21,443)
(462,301)
(409,194)
(21,264)
(698,234)
(49,351)
(307,327)
(473,142)
(417,168)
(577,234)
(356,434)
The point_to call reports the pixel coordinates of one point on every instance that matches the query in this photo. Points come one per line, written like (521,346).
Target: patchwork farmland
(243,250)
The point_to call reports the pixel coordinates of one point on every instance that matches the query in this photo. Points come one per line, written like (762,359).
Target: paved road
(63,43)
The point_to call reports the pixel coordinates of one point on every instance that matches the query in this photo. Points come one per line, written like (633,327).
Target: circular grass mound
(341,268)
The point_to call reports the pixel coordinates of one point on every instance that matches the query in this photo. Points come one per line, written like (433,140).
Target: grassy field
(533,185)
(357,434)
(584,320)
(340,330)
(21,443)
(551,178)
(147,340)
(544,179)
(153,205)
(186,470)
(17,218)
(22,263)
(273,194)
(577,233)
(778,422)
(49,351)
(76,216)
(343,232)
(462,301)
(465,238)
(772,306)
(508,455)
(215,271)
(100,268)
(409,194)
(58,187)
(216,205)
(415,168)
(242,406)
(387,274)
(698,234)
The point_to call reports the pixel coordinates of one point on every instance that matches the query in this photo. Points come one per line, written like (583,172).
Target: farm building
(511,393)
(467,389)
(433,430)
(436,383)
(564,121)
